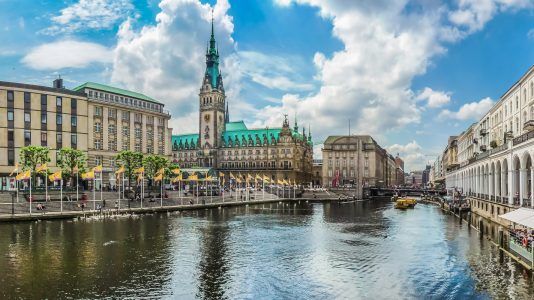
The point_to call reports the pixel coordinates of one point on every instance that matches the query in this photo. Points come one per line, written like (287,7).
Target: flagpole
(197,190)
(94,190)
(223,192)
(142,187)
(61,193)
(122,182)
(161,194)
(77,185)
(101,188)
(31,200)
(46,187)
(263,188)
(17,185)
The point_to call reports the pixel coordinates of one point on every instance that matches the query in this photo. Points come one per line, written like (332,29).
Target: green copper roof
(238,131)
(238,125)
(114,90)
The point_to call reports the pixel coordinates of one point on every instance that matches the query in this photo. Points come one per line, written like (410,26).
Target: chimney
(58,83)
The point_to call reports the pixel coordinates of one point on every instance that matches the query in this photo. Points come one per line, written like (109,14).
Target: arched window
(531,112)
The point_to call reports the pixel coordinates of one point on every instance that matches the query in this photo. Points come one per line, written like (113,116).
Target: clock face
(206,118)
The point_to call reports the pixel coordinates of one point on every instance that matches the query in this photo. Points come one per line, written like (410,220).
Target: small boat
(404,203)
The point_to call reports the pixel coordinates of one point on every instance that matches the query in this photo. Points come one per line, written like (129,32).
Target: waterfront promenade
(110,205)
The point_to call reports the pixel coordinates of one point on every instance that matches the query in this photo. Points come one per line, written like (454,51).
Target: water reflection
(352,250)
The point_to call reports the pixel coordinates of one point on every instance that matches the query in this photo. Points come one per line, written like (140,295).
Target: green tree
(154,163)
(32,156)
(130,160)
(68,159)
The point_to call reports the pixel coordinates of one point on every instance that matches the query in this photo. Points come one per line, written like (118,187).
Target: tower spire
(226,114)
(296,127)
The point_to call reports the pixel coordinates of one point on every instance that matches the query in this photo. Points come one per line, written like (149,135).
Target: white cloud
(472,15)
(411,153)
(166,60)
(66,54)
(469,111)
(530,34)
(90,14)
(433,98)
(282,2)
(271,71)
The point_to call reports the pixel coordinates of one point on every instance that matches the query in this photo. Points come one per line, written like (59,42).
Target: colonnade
(508,179)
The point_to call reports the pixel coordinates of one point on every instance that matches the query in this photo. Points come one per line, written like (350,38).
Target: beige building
(356,160)
(38,115)
(123,120)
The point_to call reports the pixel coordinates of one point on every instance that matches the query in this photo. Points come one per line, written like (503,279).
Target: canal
(362,250)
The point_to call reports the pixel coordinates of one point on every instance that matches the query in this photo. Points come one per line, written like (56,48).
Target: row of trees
(71,161)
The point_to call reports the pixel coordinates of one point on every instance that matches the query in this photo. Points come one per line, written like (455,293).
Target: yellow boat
(404,203)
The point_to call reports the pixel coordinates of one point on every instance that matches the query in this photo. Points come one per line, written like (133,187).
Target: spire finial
(212,35)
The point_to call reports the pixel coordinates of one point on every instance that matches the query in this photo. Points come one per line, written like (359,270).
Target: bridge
(383,191)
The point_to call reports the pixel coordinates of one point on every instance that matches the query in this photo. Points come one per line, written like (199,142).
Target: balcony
(475,141)
(528,125)
(523,138)
(483,131)
(483,148)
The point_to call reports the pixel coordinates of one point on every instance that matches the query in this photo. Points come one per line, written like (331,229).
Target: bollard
(501,237)
(469,219)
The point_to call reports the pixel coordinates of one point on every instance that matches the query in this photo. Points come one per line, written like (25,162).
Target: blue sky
(399,70)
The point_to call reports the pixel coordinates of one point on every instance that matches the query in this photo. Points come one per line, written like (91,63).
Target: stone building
(280,153)
(38,115)
(499,168)
(98,119)
(356,160)
(123,120)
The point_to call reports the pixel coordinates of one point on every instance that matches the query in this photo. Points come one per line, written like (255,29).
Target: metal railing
(523,138)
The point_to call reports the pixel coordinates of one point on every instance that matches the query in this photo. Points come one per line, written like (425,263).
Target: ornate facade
(280,153)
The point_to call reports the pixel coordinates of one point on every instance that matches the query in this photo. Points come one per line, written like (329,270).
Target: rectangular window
(98,111)
(74,121)
(27,117)
(11,157)
(73,103)
(59,138)
(10,116)
(43,118)
(10,96)
(27,137)
(43,100)
(27,98)
(44,138)
(59,119)
(59,101)
(73,139)
(126,116)
(10,138)
(90,93)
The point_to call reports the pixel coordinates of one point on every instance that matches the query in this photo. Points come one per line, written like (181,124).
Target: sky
(409,73)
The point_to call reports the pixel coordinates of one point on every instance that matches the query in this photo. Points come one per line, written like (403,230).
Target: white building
(496,163)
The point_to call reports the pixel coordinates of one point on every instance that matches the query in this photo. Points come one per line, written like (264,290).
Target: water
(311,251)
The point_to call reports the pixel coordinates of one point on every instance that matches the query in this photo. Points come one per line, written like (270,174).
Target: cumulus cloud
(469,111)
(411,153)
(433,98)
(66,54)
(530,34)
(271,71)
(166,60)
(89,14)
(472,15)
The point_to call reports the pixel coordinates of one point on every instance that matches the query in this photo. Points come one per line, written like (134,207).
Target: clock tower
(212,107)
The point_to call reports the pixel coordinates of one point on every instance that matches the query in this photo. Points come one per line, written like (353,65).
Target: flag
(232,175)
(120,170)
(193,177)
(139,170)
(24,175)
(221,174)
(177,171)
(89,175)
(238,180)
(158,177)
(258,177)
(97,169)
(279,181)
(41,168)
(266,178)
(177,178)
(209,178)
(55,176)
(284,181)
(139,177)
(160,171)
(15,170)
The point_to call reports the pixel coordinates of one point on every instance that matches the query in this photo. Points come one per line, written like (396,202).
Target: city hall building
(280,153)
